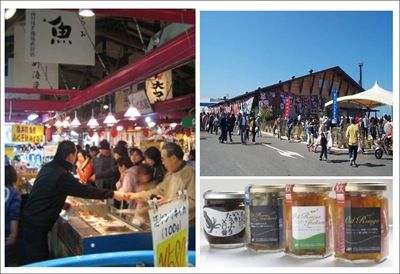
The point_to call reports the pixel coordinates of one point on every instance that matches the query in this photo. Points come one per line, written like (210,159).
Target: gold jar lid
(266,188)
(363,186)
(312,188)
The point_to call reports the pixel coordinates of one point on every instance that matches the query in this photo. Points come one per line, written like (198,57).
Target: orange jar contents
(308,221)
(361,222)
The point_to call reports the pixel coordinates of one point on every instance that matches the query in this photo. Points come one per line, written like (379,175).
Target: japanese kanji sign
(62,37)
(30,74)
(27,133)
(159,87)
(169,226)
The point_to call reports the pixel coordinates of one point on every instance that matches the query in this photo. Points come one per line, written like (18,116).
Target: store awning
(371,98)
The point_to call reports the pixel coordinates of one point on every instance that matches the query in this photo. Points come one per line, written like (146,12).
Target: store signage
(30,74)
(334,107)
(189,121)
(287,107)
(27,133)
(247,105)
(57,36)
(169,226)
(140,101)
(159,87)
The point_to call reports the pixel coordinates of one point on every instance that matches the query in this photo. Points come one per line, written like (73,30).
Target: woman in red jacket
(84,166)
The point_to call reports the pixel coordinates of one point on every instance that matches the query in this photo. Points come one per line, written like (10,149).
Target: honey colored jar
(361,222)
(224,219)
(308,221)
(264,212)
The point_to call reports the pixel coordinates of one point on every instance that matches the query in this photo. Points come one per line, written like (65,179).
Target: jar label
(266,224)
(308,227)
(224,223)
(362,230)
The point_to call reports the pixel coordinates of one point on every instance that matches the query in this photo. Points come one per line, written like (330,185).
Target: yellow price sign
(173,251)
(27,133)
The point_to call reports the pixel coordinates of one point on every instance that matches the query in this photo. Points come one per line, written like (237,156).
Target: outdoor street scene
(293,102)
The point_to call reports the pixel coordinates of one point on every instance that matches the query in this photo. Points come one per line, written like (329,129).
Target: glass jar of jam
(264,211)
(224,219)
(308,221)
(361,222)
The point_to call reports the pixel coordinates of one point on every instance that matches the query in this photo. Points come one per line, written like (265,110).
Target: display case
(93,226)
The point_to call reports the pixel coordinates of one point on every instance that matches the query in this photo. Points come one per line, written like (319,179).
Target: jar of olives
(224,219)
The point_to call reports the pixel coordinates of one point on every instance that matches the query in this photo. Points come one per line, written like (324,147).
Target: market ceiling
(118,27)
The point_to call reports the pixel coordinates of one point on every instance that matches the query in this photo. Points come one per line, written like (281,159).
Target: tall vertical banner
(170,231)
(247,105)
(334,107)
(61,37)
(159,87)
(287,107)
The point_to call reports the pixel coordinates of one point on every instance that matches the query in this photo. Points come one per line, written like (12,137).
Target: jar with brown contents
(361,222)
(308,221)
(264,211)
(224,219)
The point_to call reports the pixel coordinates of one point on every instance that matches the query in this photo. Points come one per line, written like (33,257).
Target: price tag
(169,226)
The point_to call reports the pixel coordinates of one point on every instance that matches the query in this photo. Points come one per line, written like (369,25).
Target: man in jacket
(52,186)
(105,169)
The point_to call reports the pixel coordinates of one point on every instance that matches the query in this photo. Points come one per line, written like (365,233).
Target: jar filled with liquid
(224,219)
(308,221)
(361,222)
(264,211)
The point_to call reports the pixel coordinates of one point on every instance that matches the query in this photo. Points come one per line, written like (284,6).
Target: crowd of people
(351,131)
(129,176)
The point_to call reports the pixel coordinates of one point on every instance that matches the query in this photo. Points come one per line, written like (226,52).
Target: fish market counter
(92,226)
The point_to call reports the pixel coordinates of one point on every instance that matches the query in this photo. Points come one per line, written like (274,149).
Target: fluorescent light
(9,13)
(132,112)
(86,12)
(120,128)
(75,122)
(32,116)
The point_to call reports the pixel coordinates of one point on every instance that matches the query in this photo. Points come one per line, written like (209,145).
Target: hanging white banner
(169,227)
(159,87)
(56,36)
(30,74)
(140,101)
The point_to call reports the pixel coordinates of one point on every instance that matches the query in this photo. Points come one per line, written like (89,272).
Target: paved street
(273,157)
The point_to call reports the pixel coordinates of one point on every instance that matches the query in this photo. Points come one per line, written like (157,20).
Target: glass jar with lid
(224,219)
(308,220)
(264,211)
(361,222)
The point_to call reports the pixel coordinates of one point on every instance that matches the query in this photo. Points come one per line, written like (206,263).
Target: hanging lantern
(146,132)
(188,132)
(49,134)
(113,132)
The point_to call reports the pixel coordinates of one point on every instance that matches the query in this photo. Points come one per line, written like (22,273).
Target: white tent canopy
(371,98)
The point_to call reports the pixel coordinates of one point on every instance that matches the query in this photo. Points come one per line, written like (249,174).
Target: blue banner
(334,107)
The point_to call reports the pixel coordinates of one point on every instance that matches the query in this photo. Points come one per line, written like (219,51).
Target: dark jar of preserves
(264,211)
(361,222)
(224,219)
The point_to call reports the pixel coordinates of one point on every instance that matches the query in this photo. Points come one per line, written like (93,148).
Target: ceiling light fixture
(86,12)
(9,13)
(132,112)
(92,122)
(110,119)
(66,123)
(75,122)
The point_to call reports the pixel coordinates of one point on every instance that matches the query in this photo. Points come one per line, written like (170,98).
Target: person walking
(223,124)
(243,123)
(289,126)
(353,136)
(279,127)
(231,125)
(46,199)
(252,127)
(324,147)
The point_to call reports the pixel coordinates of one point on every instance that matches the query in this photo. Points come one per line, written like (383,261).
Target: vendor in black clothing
(52,186)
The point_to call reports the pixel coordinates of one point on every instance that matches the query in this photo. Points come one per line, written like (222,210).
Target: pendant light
(132,111)
(92,122)
(58,123)
(65,123)
(75,122)
(110,119)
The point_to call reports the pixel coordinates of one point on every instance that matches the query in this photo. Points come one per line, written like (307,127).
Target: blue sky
(241,51)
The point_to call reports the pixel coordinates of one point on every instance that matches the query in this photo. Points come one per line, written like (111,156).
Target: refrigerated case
(93,226)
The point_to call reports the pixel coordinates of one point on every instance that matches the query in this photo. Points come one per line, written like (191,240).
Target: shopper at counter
(136,156)
(11,212)
(84,166)
(105,169)
(51,187)
(180,176)
(152,157)
(128,179)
